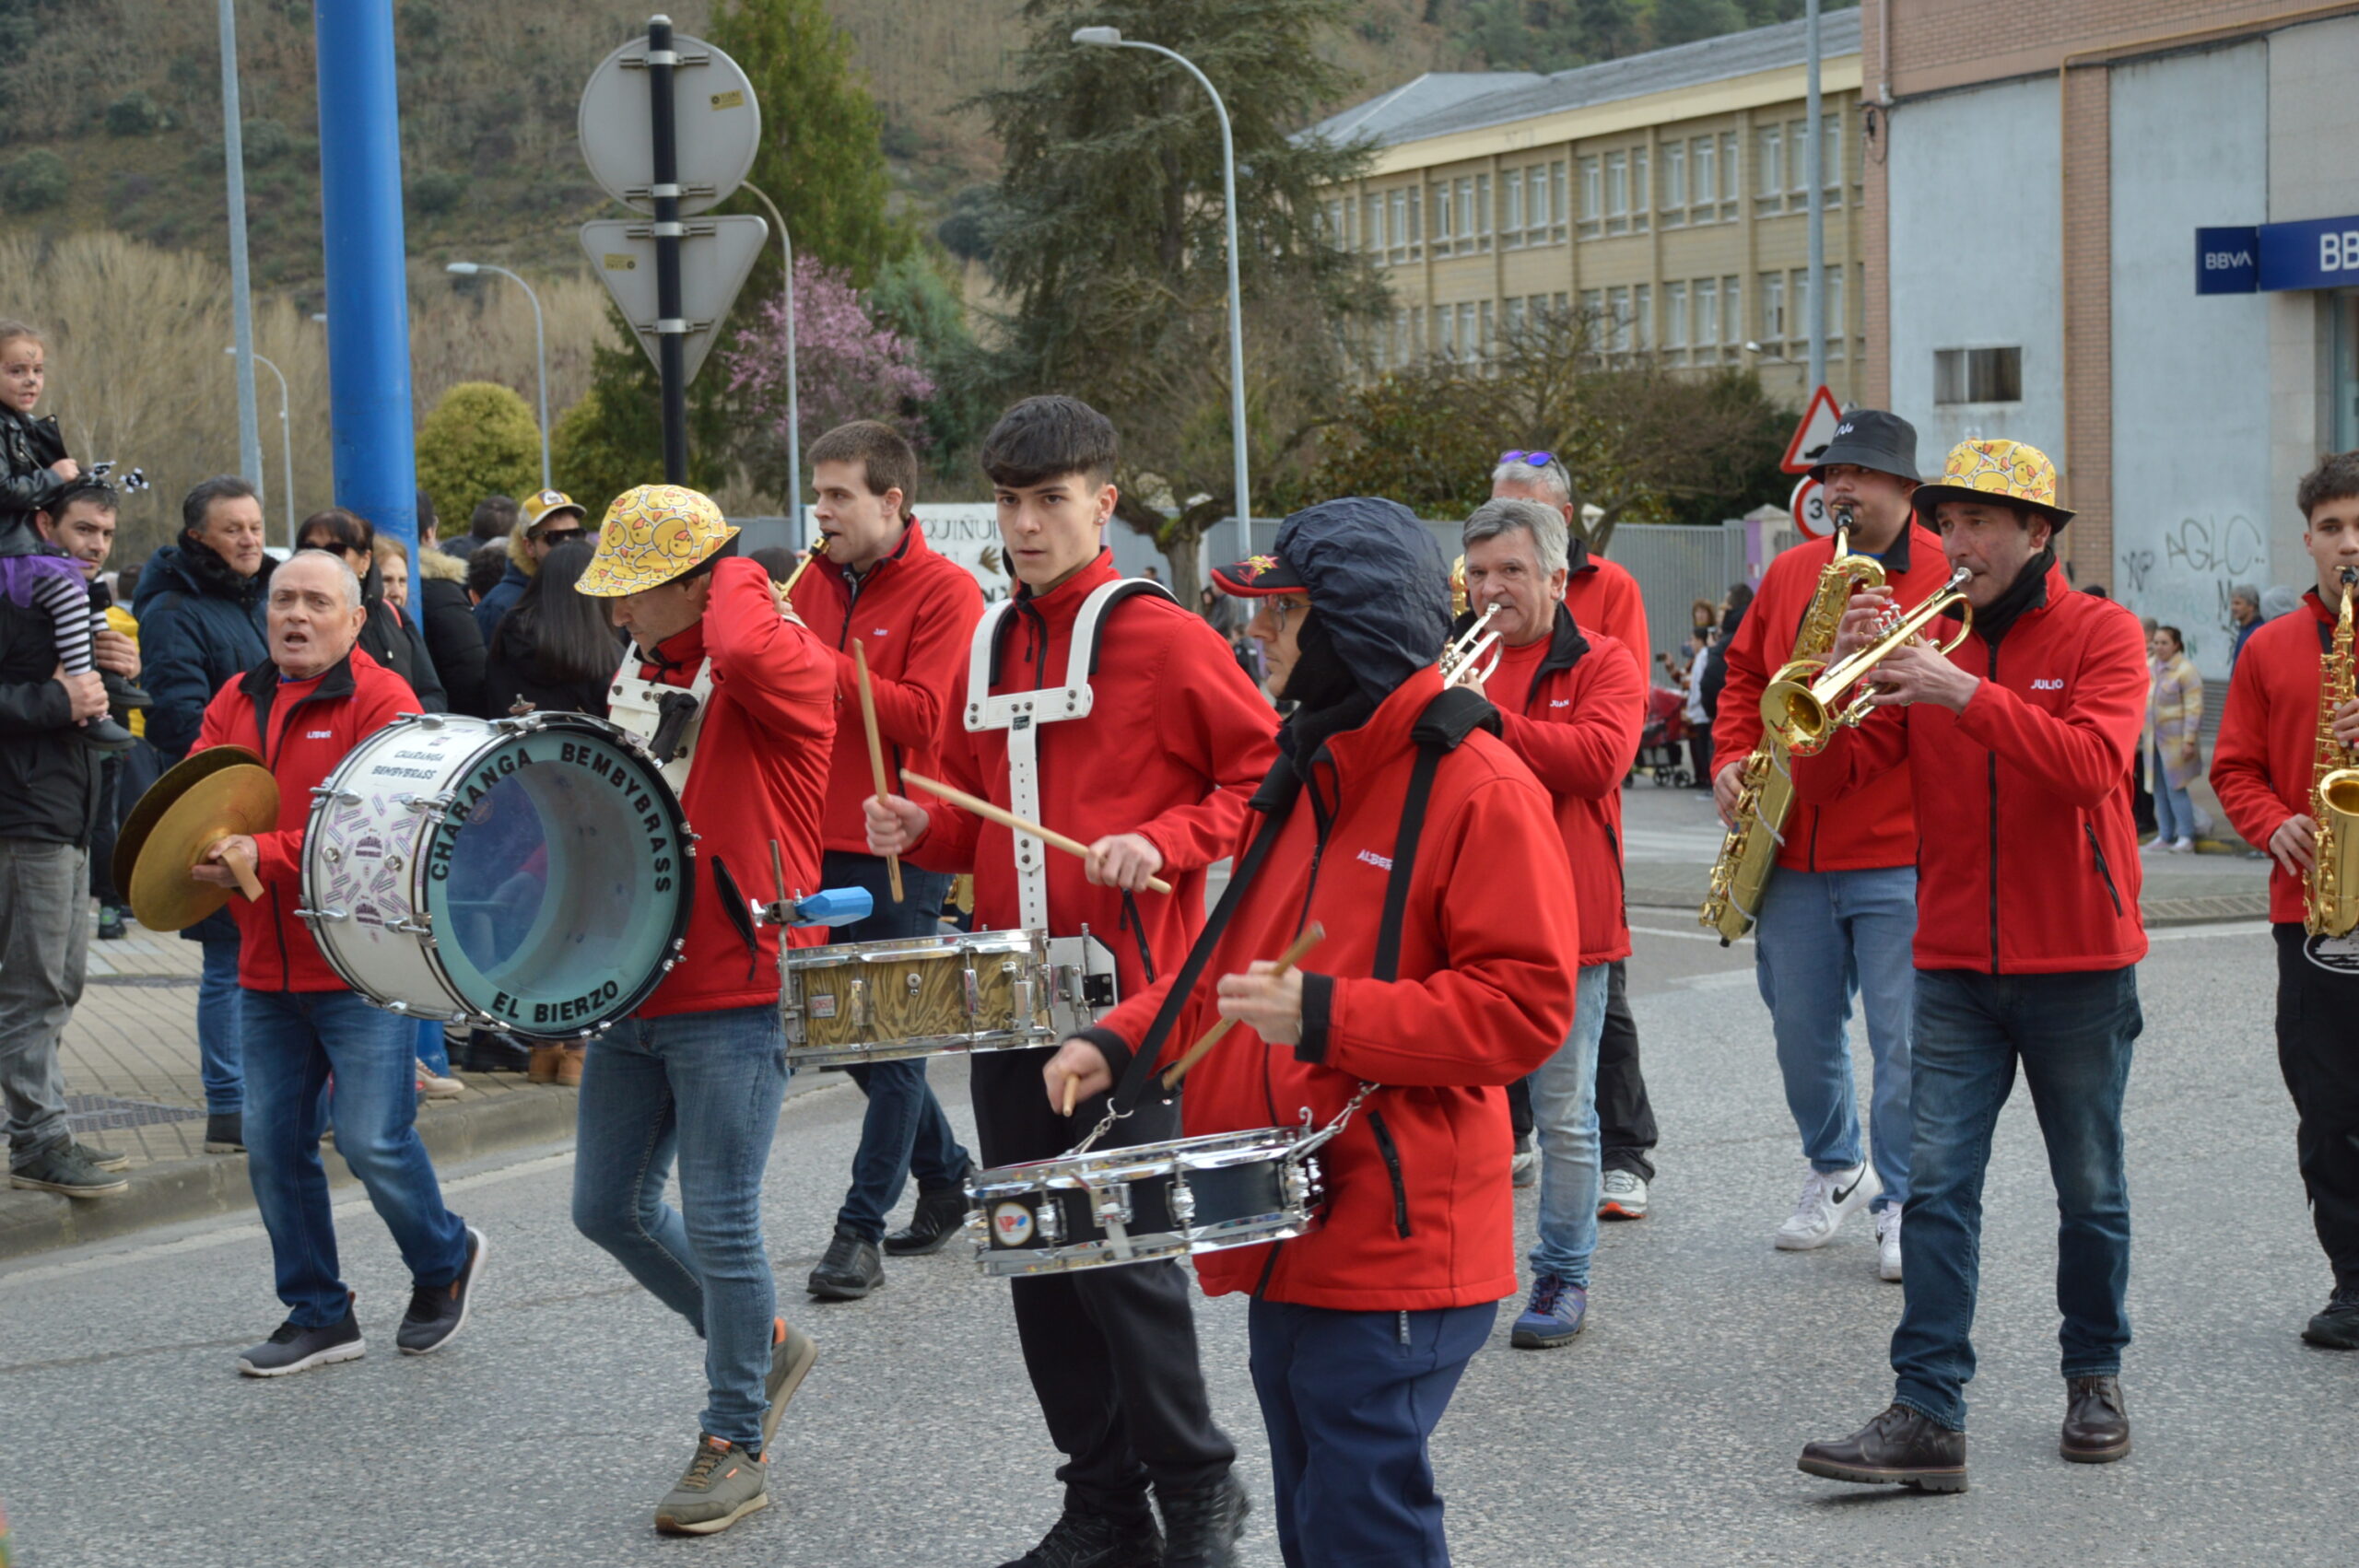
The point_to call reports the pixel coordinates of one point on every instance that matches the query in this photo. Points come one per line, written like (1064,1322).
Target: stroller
(1662,740)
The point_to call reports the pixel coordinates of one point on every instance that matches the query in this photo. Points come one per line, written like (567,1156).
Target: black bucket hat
(1869,438)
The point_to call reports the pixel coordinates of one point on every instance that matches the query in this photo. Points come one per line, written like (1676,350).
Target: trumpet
(1458,661)
(1804,705)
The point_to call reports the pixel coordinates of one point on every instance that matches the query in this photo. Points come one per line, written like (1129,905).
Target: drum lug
(334,796)
(1183,1201)
(1047,1218)
(679,945)
(427,720)
(856,1002)
(407,926)
(1022,989)
(972,988)
(429,805)
(312,917)
(1111,1206)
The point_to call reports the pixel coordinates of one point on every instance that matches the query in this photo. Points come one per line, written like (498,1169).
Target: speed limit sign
(1809,507)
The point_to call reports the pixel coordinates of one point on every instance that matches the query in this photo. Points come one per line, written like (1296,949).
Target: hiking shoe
(1201,1527)
(851,1269)
(1558,1311)
(2337,1327)
(225,1132)
(1900,1447)
(1622,1195)
(939,1215)
(293,1348)
(1096,1540)
(792,1353)
(104,1159)
(1888,1244)
(723,1483)
(436,1313)
(1829,1199)
(1526,1165)
(2096,1421)
(58,1166)
(111,926)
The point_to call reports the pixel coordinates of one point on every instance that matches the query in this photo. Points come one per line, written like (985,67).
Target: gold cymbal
(243,798)
(159,797)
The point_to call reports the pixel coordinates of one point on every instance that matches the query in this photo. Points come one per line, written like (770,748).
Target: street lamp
(540,348)
(793,408)
(285,441)
(1755,349)
(1111,38)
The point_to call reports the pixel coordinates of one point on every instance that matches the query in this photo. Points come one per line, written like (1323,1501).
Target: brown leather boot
(1900,1447)
(544,1066)
(568,1065)
(2096,1424)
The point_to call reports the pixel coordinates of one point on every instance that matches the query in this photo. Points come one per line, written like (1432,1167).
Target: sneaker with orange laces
(722,1484)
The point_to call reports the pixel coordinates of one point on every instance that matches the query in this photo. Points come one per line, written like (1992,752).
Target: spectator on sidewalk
(550,518)
(50,800)
(485,568)
(2243,617)
(556,649)
(391,638)
(492,521)
(317,697)
(2174,743)
(200,620)
(445,617)
(80,521)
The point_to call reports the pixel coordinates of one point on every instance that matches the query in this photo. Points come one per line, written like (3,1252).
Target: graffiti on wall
(2185,582)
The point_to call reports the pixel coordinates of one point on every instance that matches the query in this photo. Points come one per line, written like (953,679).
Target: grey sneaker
(722,1486)
(225,1132)
(58,1166)
(104,1159)
(792,1353)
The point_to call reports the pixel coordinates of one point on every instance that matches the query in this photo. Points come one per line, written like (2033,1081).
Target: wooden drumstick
(875,750)
(984,808)
(1211,1038)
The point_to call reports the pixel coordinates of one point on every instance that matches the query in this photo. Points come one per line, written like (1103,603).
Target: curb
(172,1191)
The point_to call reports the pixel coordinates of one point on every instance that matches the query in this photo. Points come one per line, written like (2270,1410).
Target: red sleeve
(2084,753)
(1589,755)
(1853,756)
(1213,723)
(2240,773)
(772,667)
(1736,726)
(941,629)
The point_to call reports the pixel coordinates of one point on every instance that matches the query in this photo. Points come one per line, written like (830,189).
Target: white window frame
(1674,320)
(1642,200)
(1511,206)
(1675,182)
(1706,194)
(1592,196)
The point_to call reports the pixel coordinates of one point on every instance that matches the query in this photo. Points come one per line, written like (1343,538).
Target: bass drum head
(558,883)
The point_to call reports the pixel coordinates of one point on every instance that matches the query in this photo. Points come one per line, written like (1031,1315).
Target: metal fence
(1675,566)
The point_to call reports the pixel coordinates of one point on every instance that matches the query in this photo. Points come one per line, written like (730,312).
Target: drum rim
(1244,1146)
(894,948)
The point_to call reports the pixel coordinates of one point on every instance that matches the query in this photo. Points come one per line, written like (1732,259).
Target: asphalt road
(1666,1434)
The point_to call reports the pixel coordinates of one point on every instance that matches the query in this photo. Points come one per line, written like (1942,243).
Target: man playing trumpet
(2018,743)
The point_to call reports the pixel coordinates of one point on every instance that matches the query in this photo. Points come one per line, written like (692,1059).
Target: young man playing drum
(699,1070)
(1432,859)
(1151,774)
(913,612)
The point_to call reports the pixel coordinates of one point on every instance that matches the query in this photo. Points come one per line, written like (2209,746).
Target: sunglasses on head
(1535,460)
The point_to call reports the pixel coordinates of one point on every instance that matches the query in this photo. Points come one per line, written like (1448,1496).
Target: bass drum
(533,875)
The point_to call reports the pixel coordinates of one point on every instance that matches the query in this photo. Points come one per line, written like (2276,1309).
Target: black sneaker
(104,1159)
(940,1214)
(105,734)
(436,1313)
(487,1052)
(1900,1447)
(2337,1329)
(1096,1540)
(295,1348)
(1201,1527)
(851,1269)
(111,926)
(225,1132)
(58,1166)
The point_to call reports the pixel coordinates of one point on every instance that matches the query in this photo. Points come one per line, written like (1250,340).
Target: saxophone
(1749,851)
(2331,904)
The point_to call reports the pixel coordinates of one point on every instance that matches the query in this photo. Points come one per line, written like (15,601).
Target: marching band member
(1387,796)
(699,1070)
(1148,760)
(2028,935)
(913,611)
(1840,911)
(1570,700)
(2267,757)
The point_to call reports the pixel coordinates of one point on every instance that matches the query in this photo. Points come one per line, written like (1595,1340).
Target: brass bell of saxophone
(2330,901)
(1804,705)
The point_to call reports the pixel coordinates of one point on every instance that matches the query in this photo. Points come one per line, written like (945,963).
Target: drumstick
(984,808)
(875,749)
(1210,1037)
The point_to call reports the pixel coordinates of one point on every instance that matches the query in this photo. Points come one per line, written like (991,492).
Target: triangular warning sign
(715,255)
(1819,423)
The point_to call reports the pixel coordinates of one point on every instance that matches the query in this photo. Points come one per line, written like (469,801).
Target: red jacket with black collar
(2269,736)
(1876,825)
(2027,862)
(1420,1213)
(914,613)
(1604,597)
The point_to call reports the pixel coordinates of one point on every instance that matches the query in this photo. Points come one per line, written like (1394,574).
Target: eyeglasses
(1535,460)
(1280,608)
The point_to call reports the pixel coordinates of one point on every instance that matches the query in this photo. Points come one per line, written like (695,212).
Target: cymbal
(159,797)
(243,798)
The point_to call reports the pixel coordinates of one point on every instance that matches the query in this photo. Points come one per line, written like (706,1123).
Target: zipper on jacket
(1993,776)
(1392,1152)
(2103,869)
(277,916)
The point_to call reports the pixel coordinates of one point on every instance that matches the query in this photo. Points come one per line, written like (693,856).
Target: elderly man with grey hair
(1603,597)
(1570,699)
(2243,617)
(304,708)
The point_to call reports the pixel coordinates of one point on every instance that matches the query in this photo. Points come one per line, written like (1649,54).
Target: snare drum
(866,1001)
(532,875)
(1152,1200)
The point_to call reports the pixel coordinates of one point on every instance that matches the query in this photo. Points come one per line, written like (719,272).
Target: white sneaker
(1622,1195)
(2184,847)
(1827,1199)
(1888,1243)
(434,1086)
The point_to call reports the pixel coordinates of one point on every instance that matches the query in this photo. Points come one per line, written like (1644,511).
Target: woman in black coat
(388,636)
(556,649)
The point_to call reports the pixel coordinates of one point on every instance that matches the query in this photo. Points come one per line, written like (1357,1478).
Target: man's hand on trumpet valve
(1074,1073)
(1916,672)
(895,825)
(1265,1001)
(1125,860)
(1857,629)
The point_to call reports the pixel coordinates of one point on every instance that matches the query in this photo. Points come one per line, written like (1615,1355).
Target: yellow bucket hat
(2007,471)
(653,535)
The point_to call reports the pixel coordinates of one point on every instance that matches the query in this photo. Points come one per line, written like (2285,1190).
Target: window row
(1463,216)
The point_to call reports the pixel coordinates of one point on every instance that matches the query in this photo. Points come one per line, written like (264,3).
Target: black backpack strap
(1441,727)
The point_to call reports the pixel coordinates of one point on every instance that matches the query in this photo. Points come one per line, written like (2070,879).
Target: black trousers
(2318,1020)
(1625,1122)
(1112,1352)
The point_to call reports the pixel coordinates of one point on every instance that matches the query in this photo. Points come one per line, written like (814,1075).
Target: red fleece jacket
(2269,736)
(1604,597)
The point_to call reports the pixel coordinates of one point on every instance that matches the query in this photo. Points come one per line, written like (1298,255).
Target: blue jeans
(704,1087)
(1823,936)
(220,1029)
(905,1132)
(2072,1033)
(1349,1399)
(1564,1112)
(294,1040)
(2174,814)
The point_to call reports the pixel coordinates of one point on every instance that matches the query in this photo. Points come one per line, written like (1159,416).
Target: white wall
(2190,373)
(1974,259)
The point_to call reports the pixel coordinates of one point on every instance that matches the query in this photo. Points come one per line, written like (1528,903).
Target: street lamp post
(286,442)
(793,408)
(540,348)
(1111,38)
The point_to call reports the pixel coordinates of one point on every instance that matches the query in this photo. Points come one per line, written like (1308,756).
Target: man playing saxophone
(1840,907)
(2289,727)
(2018,744)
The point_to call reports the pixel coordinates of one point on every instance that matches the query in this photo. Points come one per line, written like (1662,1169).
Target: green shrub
(33,181)
(268,141)
(438,191)
(133,114)
(479,440)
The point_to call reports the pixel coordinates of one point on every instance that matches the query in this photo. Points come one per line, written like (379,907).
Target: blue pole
(368,288)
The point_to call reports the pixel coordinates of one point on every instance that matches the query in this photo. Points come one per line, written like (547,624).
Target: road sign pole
(670,328)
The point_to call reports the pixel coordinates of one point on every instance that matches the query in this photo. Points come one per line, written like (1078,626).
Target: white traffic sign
(715,255)
(1818,427)
(1809,507)
(718,125)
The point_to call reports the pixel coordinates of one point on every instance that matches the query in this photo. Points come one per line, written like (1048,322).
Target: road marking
(2223,927)
(1697,935)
